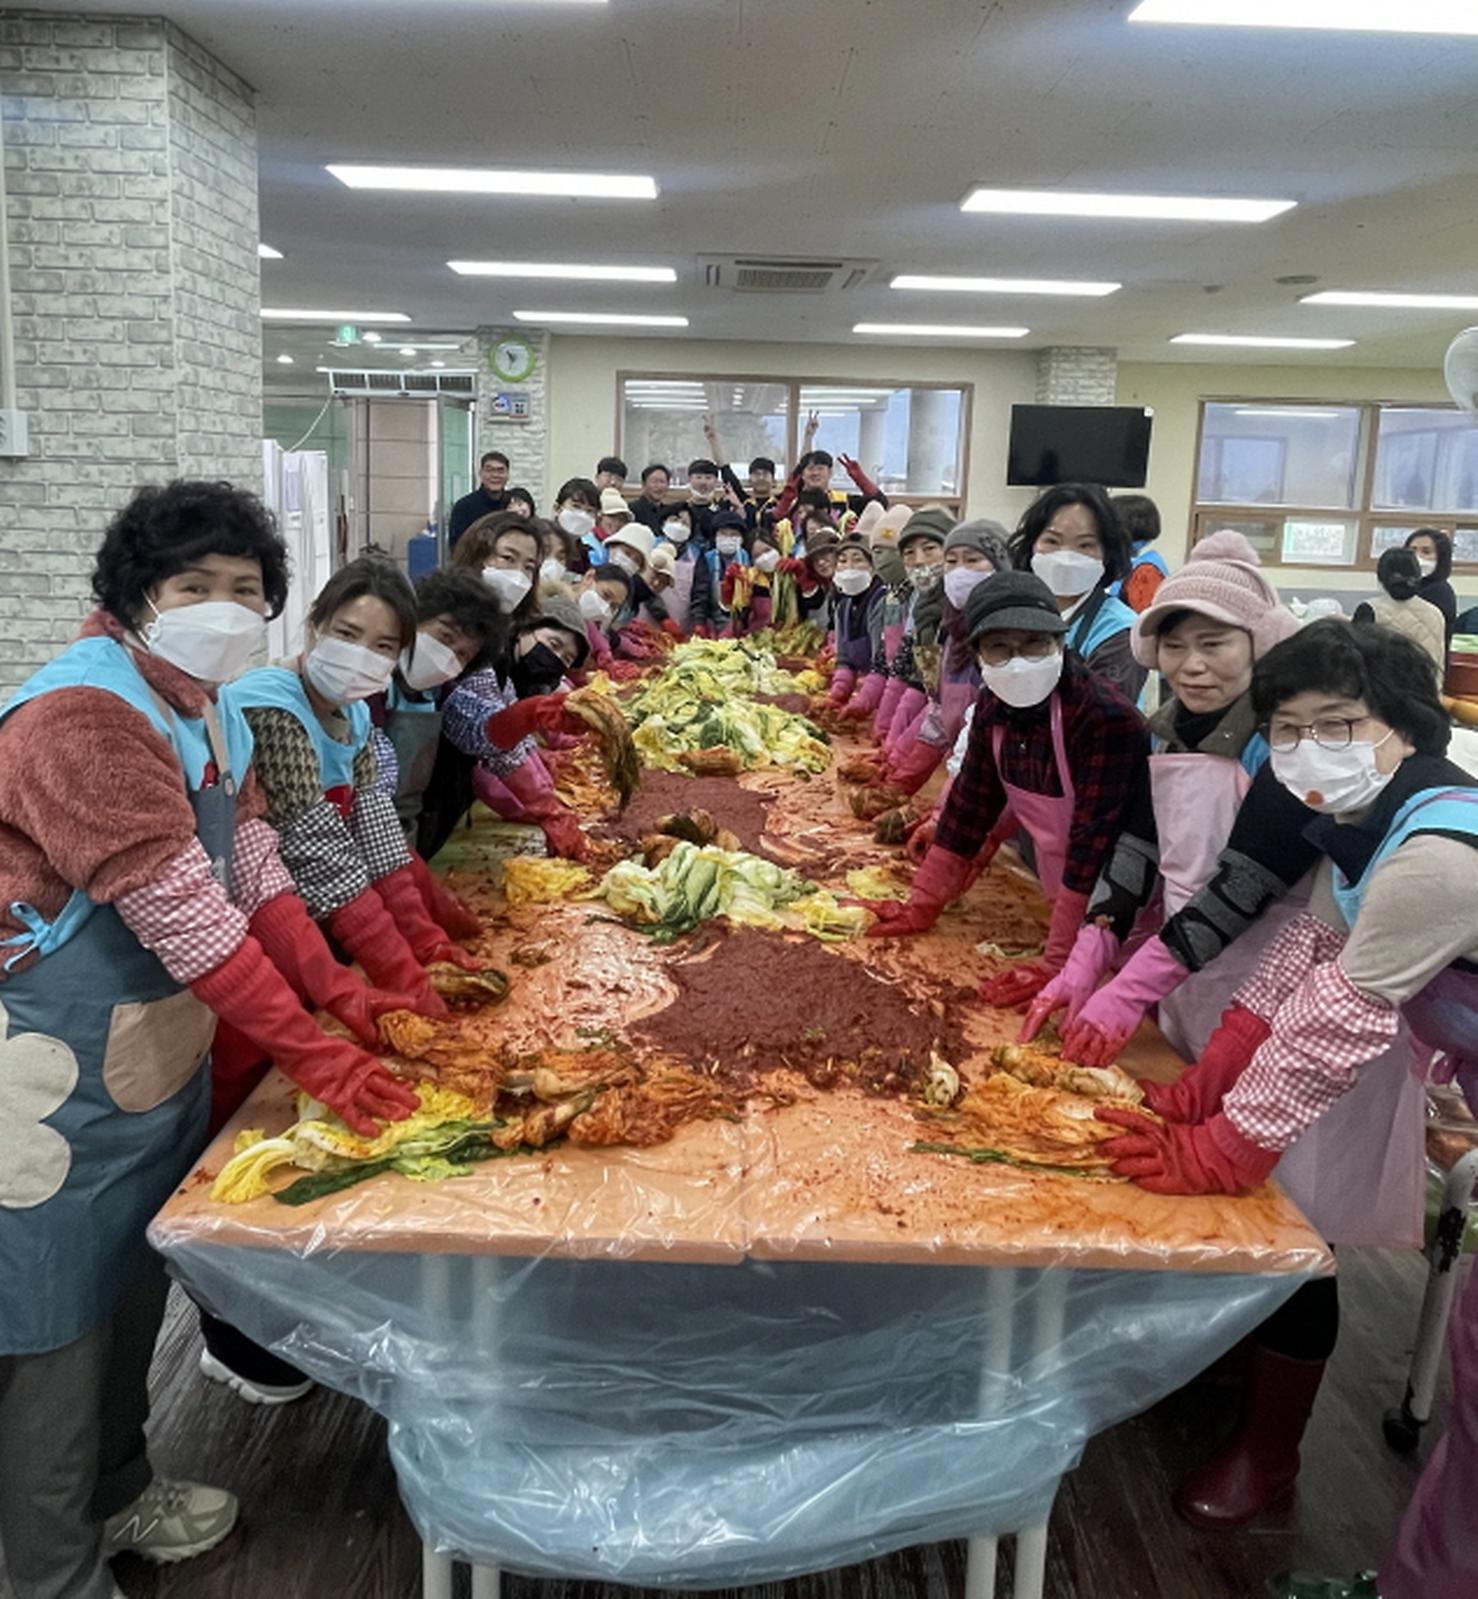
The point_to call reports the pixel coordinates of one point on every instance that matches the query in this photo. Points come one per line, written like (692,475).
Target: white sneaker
(171,1521)
(254,1393)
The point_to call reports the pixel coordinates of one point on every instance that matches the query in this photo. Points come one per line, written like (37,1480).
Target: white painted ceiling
(855,127)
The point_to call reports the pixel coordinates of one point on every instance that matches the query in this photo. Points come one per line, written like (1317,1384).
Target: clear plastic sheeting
(711,1425)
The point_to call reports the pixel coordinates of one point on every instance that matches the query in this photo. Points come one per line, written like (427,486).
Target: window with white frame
(1333,484)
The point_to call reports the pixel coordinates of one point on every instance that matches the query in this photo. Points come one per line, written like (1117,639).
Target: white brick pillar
(1070,374)
(525,441)
(131,217)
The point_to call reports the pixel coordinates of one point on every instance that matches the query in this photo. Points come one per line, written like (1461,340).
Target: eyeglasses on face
(1329,733)
(1037,649)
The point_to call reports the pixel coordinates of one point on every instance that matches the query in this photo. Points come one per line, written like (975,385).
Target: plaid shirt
(1107,746)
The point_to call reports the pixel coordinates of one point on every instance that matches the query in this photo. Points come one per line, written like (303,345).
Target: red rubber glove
(248,991)
(291,940)
(1197,1096)
(796,569)
(429,944)
(942,878)
(563,836)
(365,929)
(859,477)
(915,766)
(1027,979)
(540,713)
(454,918)
(673,631)
(1166,1158)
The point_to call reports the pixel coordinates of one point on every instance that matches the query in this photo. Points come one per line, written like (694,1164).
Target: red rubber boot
(1259,1463)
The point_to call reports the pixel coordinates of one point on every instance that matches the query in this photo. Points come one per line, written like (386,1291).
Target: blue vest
(103,663)
(277,688)
(1433,810)
(1113,616)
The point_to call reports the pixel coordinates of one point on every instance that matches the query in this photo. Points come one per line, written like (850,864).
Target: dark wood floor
(321,1519)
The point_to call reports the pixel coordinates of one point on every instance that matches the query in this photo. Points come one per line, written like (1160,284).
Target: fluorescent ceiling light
(1065,286)
(1365,16)
(940,330)
(1298,412)
(372,337)
(284,360)
(270,314)
(1136,207)
(1258,341)
(265,252)
(438,363)
(1401,302)
(572,271)
(488,180)
(408,349)
(611,319)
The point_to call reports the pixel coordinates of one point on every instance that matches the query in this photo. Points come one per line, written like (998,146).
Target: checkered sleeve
(319,851)
(1305,943)
(378,833)
(387,763)
(257,872)
(464,721)
(184,917)
(1322,1034)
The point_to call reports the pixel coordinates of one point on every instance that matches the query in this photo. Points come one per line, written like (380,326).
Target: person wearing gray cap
(921,544)
(973,552)
(1053,742)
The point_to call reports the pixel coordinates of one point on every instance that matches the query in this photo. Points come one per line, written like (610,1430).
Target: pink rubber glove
(843,681)
(1107,1022)
(887,705)
(1027,979)
(904,737)
(1167,1158)
(1092,956)
(1198,1094)
(869,695)
(910,703)
(942,878)
(915,766)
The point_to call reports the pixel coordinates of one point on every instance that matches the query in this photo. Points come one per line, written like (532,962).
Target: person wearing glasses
(1051,742)
(1387,948)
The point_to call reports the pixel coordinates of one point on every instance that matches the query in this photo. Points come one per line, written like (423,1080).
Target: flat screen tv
(1104,444)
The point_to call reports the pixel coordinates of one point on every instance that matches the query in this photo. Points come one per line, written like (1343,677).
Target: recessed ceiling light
(614,319)
(1366,16)
(270,314)
(940,330)
(372,337)
(1257,341)
(284,360)
(571,271)
(916,280)
(488,180)
(1297,411)
(406,349)
(1400,302)
(438,363)
(265,252)
(1135,207)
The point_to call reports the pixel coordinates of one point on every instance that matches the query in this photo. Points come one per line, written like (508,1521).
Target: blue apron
(413,726)
(276,688)
(113,1075)
(1091,628)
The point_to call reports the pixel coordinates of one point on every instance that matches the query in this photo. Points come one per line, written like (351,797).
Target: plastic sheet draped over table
(774,1344)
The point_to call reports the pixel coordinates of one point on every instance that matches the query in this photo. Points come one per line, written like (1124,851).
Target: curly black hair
(1038,517)
(376,577)
(469,605)
(1375,664)
(162,531)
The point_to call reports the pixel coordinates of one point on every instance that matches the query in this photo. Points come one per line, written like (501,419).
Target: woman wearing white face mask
(1358,734)
(628,549)
(921,546)
(337,828)
(1052,743)
(686,599)
(1071,537)
(1433,551)
(576,507)
(141,899)
(857,618)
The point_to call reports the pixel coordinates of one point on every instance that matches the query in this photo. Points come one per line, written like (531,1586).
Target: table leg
(436,1574)
(980,1569)
(485,1582)
(1031,1542)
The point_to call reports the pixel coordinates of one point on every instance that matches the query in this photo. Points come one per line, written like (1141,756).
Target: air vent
(755,274)
(403,383)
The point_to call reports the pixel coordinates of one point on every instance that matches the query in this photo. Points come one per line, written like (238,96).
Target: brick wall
(112,275)
(526,444)
(1077,375)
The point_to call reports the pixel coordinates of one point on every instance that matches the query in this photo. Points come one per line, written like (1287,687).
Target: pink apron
(1048,820)
(679,597)
(1358,1173)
